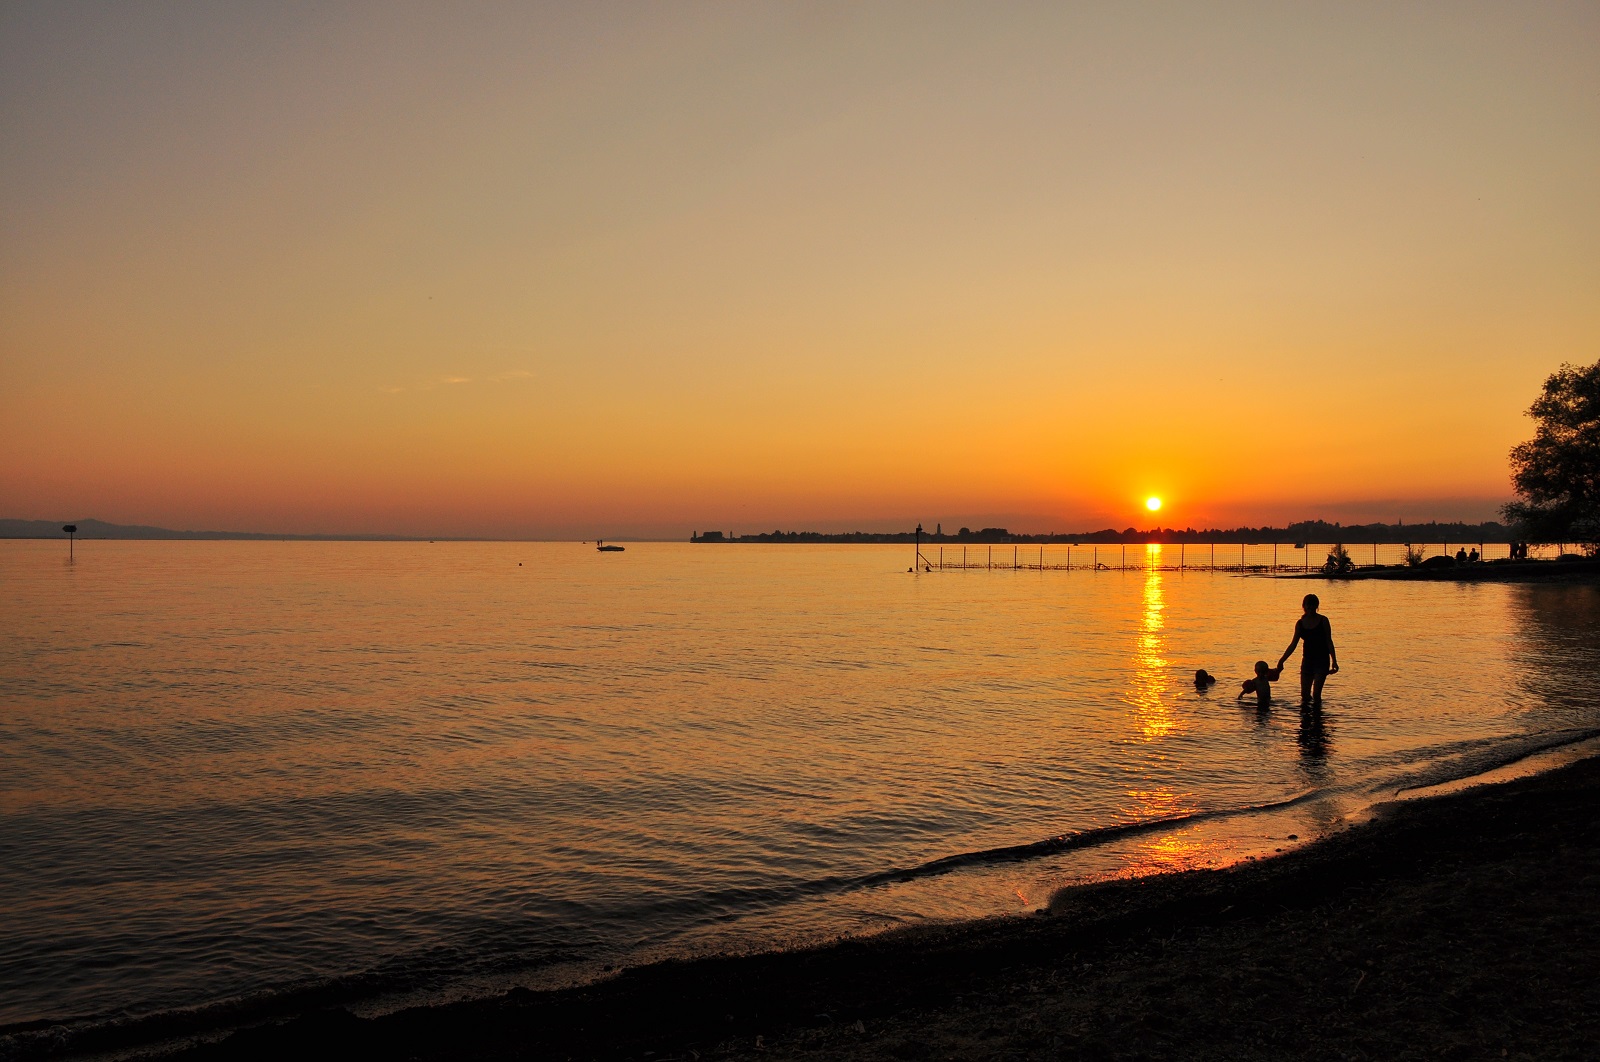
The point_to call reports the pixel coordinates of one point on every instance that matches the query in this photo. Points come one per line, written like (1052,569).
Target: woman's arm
(1292,644)
(1333,653)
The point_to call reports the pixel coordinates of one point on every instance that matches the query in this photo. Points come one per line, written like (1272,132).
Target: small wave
(1467,760)
(1498,754)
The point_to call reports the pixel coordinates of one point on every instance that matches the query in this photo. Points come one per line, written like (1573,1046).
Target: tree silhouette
(1557,472)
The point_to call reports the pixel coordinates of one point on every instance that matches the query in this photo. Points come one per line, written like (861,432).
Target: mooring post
(1013,557)
(916,564)
(1213,556)
(72,539)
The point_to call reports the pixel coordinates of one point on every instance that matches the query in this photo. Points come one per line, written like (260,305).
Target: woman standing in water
(1319,659)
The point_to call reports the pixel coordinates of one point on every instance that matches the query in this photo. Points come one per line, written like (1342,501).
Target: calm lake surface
(402,771)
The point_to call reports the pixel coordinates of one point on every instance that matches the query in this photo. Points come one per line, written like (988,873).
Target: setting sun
(1152,504)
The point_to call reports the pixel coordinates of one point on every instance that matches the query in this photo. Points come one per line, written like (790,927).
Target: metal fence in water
(1175,556)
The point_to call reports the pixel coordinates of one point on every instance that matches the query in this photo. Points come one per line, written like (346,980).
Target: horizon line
(105,530)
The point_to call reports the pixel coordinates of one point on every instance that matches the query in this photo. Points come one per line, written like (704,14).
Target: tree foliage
(1557,472)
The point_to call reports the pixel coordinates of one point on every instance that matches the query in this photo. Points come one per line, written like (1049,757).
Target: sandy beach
(1461,926)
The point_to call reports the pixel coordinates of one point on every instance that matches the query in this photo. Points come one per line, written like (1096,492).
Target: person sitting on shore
(1203,679)
(1319,658)
(1261,685)
(1472,558)
(1461,556)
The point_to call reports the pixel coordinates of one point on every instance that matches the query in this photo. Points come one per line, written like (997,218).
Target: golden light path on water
(1151,696)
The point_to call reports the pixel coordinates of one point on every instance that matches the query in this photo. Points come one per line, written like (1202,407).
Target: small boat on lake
(603,548)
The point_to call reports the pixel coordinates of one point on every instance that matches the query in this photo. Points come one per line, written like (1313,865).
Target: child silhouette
(1261,685)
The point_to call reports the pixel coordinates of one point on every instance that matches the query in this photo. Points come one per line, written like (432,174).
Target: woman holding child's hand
(1319,659)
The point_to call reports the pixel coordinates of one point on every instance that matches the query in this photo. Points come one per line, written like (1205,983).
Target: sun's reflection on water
(1182,849)
(1151,697)
(1151,691)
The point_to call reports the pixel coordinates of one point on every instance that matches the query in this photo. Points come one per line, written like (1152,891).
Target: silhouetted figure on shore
(1461,556)
(1472,558)
(1261,685)
(1319,658)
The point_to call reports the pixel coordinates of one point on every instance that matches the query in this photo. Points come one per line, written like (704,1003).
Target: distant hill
(100,529)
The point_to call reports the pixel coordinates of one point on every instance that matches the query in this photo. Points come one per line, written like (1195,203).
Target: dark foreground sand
(1463,927)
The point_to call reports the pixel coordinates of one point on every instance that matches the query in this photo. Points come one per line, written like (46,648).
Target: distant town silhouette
(1303,531)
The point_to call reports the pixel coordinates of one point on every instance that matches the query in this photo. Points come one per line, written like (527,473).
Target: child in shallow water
(1261,685)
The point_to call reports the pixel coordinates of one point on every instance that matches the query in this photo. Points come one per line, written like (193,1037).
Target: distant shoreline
(100,530)
(1310,531)
(1570,569)
(1313,531)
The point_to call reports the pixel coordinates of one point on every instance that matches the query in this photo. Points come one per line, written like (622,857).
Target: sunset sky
(611,269)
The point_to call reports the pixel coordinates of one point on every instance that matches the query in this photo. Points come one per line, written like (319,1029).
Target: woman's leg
(1316,688)
(1305,686)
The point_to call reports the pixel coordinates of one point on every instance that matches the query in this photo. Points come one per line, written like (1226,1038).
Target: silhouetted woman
(1319,658)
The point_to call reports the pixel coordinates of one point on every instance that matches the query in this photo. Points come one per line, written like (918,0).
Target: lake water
(400,771)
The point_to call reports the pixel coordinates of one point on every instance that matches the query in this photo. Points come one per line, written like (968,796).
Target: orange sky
(641,270)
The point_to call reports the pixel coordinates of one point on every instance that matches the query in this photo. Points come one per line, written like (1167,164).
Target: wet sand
(1465,926)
